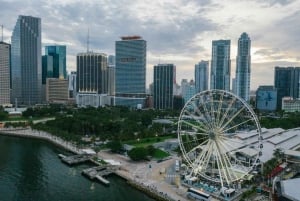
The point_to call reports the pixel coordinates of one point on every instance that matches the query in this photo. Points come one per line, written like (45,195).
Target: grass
(144,142)
(160,154)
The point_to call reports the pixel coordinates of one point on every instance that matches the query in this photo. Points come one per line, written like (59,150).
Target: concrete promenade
(30,133)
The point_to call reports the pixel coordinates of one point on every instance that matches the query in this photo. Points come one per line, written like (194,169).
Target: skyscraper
(187,89)
(58,53)
(47,68)
(4,73)
(286,82)
(92,73)
(72,84)
(201,76)
(243,67)
(220,65)
(164,78)
(26,64)
(130,74)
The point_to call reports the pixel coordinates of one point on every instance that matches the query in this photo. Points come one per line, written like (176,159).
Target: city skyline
(181,32)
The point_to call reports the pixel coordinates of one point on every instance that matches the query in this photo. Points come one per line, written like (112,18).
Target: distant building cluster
(28,78)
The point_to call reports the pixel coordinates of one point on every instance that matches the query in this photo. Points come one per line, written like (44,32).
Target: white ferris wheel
(211,130)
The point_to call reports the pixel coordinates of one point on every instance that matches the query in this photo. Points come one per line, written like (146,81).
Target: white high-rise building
(243,67)
(201,76)
(220,65)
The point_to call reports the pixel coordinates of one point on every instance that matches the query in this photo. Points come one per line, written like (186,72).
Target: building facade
(201,76)
(290,105)
(58,53)
(220,65)
(164,78)
(286,82)
(72,84)
(130,72)
(26,64)
(188,89)
(243,67)
(92,75)
(57,90)
(4,74)
(47,67)
(266,98)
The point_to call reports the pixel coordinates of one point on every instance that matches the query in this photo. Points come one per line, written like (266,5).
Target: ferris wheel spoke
(237,125)
(228,160)
(206,160)
(198,146)
(212,110)
(224,165)
(219,109)
(200,114)
(192,125)
(197,120)
(192,133)
(227,111)
(200,159)
(227,139)
(207,115)
(233,117)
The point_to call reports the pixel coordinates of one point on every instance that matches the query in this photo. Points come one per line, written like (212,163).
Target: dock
(98,173)
(76,159)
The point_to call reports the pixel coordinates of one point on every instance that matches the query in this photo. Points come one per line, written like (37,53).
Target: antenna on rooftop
(88,41)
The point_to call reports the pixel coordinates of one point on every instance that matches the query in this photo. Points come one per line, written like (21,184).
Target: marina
(76,159)
(99,172)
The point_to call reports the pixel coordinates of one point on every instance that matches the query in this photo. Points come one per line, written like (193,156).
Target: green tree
(115,146)
(138,153)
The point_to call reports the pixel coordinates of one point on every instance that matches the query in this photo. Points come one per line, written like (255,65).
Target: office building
(163,84)
(26,64)
(4,73)
(220,65)
(57,90)
(266,98)
(130,72)
(72,84)
(188,89)
(243,67)
(290,105)
(286,82)
(92,75)
(47,68)
(201,76)
(58,53)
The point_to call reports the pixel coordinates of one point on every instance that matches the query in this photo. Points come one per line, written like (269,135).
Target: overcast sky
(176,31)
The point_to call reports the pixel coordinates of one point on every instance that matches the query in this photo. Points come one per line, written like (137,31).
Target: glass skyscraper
(243,67)
(130,72)
(201,76)
(58,52)
(220,65)
(4,73)
(164,79)
(286,82)
(26,64)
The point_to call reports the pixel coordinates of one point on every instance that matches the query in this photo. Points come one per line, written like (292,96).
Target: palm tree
(278,154)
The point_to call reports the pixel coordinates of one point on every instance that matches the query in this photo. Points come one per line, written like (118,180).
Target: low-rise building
(290,105)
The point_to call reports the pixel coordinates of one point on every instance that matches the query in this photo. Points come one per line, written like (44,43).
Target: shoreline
(57,141)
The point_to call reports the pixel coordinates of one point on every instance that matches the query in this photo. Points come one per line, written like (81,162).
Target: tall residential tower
(220,65)
(26,64)
(201,76)
(243,67)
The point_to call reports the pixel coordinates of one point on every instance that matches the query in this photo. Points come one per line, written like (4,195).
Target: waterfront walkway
(28,132)
(147,179)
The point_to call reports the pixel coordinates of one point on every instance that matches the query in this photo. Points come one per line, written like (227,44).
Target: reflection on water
(30,170)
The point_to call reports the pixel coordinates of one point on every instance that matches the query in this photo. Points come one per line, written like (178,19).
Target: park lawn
(144,142)
(160,154)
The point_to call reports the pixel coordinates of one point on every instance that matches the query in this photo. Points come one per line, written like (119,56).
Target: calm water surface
(30,170)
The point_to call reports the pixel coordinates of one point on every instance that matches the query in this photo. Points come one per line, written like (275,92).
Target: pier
(98,173)
(76,159)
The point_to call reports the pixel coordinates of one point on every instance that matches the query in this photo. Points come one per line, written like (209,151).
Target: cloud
(177,31)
